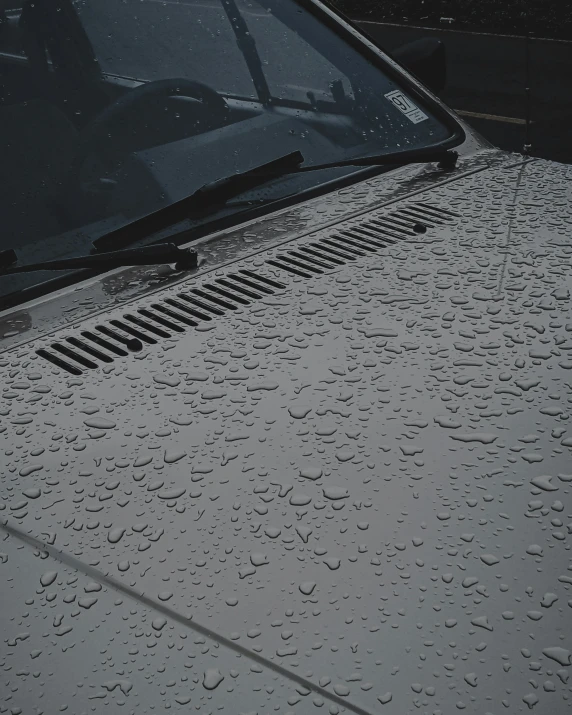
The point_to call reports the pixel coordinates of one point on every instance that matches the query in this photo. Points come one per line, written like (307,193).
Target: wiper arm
(219,192)
(445,158)
(144,256)
(215,194)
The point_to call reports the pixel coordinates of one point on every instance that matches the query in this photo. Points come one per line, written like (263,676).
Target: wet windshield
(110,109)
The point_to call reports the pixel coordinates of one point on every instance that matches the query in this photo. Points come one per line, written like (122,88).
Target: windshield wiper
(215,194)
(145,256)
(247,45)
(445,159)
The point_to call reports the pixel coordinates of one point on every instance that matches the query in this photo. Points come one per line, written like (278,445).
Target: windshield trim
(348,30)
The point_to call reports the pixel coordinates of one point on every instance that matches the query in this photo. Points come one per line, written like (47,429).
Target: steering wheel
(98,139)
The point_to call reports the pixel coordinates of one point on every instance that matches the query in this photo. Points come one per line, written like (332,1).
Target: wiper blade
(144,256)
(202,201)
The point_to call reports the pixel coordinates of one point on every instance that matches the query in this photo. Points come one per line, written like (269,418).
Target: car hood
(349,489)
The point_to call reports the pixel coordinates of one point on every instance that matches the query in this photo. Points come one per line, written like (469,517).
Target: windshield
(110,109)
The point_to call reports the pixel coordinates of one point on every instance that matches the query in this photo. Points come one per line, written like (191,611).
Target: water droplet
(335,493)
(544,482)
(300,500)
(332,563)
(298,412)
(304,533)
(48,578)
(115,535)
(482,437)
(312,473)
(341,690)
(548,600)
(560,655)
(172,456)
(531,699)
(159,623)
(32,493)
(482,622)
(534,550)
(170,494)
(489,559)
(307,587)
(169,380)
(258,559)
(99,423)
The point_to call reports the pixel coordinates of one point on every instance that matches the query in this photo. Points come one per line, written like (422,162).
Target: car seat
(36,145)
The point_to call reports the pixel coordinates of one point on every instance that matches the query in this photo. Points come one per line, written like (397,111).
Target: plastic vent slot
(434,213)
(147,326)
(190,308)
(361,239)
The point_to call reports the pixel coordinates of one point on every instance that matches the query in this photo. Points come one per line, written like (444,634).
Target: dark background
(486,62)
(545,18)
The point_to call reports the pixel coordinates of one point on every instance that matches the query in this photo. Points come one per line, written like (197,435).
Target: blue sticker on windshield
(406,106)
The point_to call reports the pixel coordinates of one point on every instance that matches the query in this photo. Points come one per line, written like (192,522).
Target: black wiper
(445,158)
(201,202)
(247,45)
(215,194)
(144,256)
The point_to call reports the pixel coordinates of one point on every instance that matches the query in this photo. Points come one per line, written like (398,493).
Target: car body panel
(360,480)
(100,646)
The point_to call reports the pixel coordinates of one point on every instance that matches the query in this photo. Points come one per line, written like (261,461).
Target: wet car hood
(348,492)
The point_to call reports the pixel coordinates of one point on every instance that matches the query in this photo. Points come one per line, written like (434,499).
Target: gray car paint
(352,495)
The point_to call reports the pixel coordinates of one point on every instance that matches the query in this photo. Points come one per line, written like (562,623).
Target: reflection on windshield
(110,109)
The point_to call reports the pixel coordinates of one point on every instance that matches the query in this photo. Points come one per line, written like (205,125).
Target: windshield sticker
(406,106)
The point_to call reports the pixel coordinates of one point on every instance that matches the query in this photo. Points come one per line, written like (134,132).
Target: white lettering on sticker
(406,106)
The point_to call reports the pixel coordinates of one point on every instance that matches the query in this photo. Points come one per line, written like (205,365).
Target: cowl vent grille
(205,302)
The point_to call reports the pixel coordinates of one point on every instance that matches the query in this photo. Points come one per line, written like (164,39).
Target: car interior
(51,91)
(82,147)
